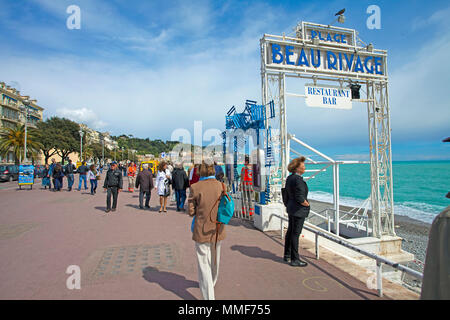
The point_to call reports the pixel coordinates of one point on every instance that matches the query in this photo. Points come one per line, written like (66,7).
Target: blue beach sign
(326,50)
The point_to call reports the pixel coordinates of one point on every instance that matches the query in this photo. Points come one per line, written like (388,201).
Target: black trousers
(141,197)
(292,237)
(114,192)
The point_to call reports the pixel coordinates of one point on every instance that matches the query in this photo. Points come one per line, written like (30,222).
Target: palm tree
(13,139)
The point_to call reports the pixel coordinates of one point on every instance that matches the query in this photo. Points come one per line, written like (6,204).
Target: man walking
(180,183)
(113,185)
(144,179)
(82,170)
(69,171)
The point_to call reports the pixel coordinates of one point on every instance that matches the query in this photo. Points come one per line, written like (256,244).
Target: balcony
(11,105)
(3,117)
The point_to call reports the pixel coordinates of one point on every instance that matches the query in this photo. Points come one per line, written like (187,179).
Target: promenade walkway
(142,254)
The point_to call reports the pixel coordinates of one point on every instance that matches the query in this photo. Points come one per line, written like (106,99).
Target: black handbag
(166,188)
(285,197)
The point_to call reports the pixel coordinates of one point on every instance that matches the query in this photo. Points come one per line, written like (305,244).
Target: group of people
(55,172)
(205,182)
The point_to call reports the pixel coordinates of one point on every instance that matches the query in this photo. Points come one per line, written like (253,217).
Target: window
(10,114)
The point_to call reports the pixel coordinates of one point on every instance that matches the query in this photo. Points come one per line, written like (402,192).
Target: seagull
(340,12)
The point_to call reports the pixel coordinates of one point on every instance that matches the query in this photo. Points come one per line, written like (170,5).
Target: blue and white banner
(26,174)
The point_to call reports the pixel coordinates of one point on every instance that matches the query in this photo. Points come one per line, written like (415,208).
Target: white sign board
(328,97)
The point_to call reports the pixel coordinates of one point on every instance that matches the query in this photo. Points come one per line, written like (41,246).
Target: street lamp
(122,152)
(81,144)
(103,148)
(26,111)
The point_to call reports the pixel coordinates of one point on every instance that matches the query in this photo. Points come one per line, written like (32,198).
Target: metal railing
(357,219)
(379,260)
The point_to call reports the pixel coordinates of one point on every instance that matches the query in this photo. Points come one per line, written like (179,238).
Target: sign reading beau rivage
(328,97)
(327,51)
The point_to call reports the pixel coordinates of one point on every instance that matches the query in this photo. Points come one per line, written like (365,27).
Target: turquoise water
(419,187)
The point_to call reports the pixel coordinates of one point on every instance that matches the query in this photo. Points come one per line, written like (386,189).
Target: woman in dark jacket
(57,177)
(297,209)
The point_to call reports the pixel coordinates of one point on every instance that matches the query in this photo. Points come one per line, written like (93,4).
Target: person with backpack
(295,199)
(203,204)
(180,183)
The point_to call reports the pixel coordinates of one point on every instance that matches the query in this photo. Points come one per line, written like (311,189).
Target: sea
(420,187)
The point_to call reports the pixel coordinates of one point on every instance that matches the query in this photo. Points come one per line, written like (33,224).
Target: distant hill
(145,146)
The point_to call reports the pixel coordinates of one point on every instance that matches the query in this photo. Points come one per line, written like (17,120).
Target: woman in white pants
(203,204)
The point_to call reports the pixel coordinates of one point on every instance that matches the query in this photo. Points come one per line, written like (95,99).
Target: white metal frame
(382,221)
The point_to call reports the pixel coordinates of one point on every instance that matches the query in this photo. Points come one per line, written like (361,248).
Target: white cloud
(82,115)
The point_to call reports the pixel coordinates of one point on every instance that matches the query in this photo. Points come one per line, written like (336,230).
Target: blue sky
(149,67)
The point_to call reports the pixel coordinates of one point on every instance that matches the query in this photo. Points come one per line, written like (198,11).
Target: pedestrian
(131,173)
(203,204)
(92,177)
(162,184)
(69,172)
(218,172)
(113,185)
(170,167)
(180,183)
(246,187)
(144,180)
(82,170)
(57,177)
(46,177)
(297,208)
(193,175)
(50,172)
(124,169)
(101,168)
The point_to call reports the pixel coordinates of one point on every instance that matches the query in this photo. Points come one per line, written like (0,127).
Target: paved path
(142,254)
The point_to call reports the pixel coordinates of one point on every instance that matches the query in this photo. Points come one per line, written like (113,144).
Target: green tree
(66,136)
(46,135)
(13,139)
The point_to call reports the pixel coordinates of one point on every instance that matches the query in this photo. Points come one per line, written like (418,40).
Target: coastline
(414,233)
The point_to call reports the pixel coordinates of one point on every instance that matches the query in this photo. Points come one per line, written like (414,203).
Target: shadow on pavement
(135,206)
(171,282)
(256,252)
(236,222)
(100,208)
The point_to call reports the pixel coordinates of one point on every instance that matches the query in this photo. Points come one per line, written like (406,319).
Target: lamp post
(122,153)
(81,144)
(25,109)
(103,149)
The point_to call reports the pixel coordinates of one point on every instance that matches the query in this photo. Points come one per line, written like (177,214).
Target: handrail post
(379,278)
(317,246)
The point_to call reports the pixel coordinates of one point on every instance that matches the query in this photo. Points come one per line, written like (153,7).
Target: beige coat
(203,204)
